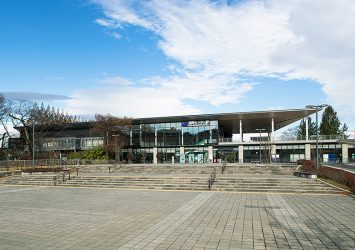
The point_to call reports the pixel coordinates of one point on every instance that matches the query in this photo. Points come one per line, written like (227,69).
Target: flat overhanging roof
(250,120)
(229,122)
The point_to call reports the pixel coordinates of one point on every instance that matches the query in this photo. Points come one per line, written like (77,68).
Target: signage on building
(195,123)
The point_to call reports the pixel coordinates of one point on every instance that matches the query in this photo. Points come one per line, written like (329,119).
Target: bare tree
(2,120)
(19,114)
(115,132)
(47,117)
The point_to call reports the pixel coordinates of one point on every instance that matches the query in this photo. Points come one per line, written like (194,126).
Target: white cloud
(215,43)
(128,101)
(120,12)
(106,23)
(116,80)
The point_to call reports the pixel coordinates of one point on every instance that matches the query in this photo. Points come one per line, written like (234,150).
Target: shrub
(338,175)
(91,154)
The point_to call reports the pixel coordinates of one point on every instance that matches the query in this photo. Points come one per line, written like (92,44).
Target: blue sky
(156,58)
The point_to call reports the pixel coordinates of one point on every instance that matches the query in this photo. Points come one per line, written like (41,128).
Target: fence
(23,164)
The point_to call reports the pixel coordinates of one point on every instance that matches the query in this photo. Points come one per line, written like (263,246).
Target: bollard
(77,172)
(54,180)
(69,174)
(63,176)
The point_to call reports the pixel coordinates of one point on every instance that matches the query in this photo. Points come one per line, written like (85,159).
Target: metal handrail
(224,166)
(212,179)
(302,138)
(61,177)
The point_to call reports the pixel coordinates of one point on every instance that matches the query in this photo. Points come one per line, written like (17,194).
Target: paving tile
(88,218)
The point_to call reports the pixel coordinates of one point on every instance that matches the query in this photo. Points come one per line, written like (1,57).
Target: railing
(328,137)
(224,166)
(226,139)
(212,179)
(24,164)
(65,175)
(302,138)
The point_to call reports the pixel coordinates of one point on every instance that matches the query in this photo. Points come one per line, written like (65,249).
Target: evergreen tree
(301,130)
(344,129)
(330,124)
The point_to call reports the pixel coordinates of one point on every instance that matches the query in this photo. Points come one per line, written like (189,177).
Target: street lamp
(33,143)
(317,108)
(259,129)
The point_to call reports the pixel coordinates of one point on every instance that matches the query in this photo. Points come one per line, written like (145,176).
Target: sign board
(195,123)
(182,158)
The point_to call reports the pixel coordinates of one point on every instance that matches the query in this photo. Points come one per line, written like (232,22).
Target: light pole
(116,148)
(33,143)
(317,108)
(259,129)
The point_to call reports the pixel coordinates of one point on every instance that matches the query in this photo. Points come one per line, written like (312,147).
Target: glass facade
(290,152)
(194,136)
(192,133)
(71,143)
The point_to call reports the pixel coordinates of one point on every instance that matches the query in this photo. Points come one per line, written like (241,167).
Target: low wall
(339,175)
(9,173)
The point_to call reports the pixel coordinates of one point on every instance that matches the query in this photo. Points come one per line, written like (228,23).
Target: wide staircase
(238,178)
(29,179)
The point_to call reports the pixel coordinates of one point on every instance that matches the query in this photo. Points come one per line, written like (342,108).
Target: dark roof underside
(230,121)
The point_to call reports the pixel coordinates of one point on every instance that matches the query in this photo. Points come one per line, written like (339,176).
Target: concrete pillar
(130,137)
(272,152)
(140,135)
(272,130)
(307,134)
(155,154)
(182,155)
(156,137)
(345,153)
(273,149)
(182,135)
(210,154)
(182,150)
(241,153)
(307,151)
(210,141)
(241,130)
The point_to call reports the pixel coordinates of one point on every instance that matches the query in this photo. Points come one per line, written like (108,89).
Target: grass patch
(334,183)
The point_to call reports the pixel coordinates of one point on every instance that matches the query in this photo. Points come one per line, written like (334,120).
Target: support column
(140,135)
(182,155)
(241,130)
(241,153)
(272,146)
(155,155)
(210,154)
(307,133)
(156,137)
(272,153)
(307,151)
(182,135)
(130,137)
(272,129)
(273,149)
(345,153)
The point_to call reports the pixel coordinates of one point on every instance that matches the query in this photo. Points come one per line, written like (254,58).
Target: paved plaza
(35,217)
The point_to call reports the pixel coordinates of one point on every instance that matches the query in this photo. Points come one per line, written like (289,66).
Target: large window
(192,133)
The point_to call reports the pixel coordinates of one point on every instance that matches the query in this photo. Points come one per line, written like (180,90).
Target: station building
(239,137)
